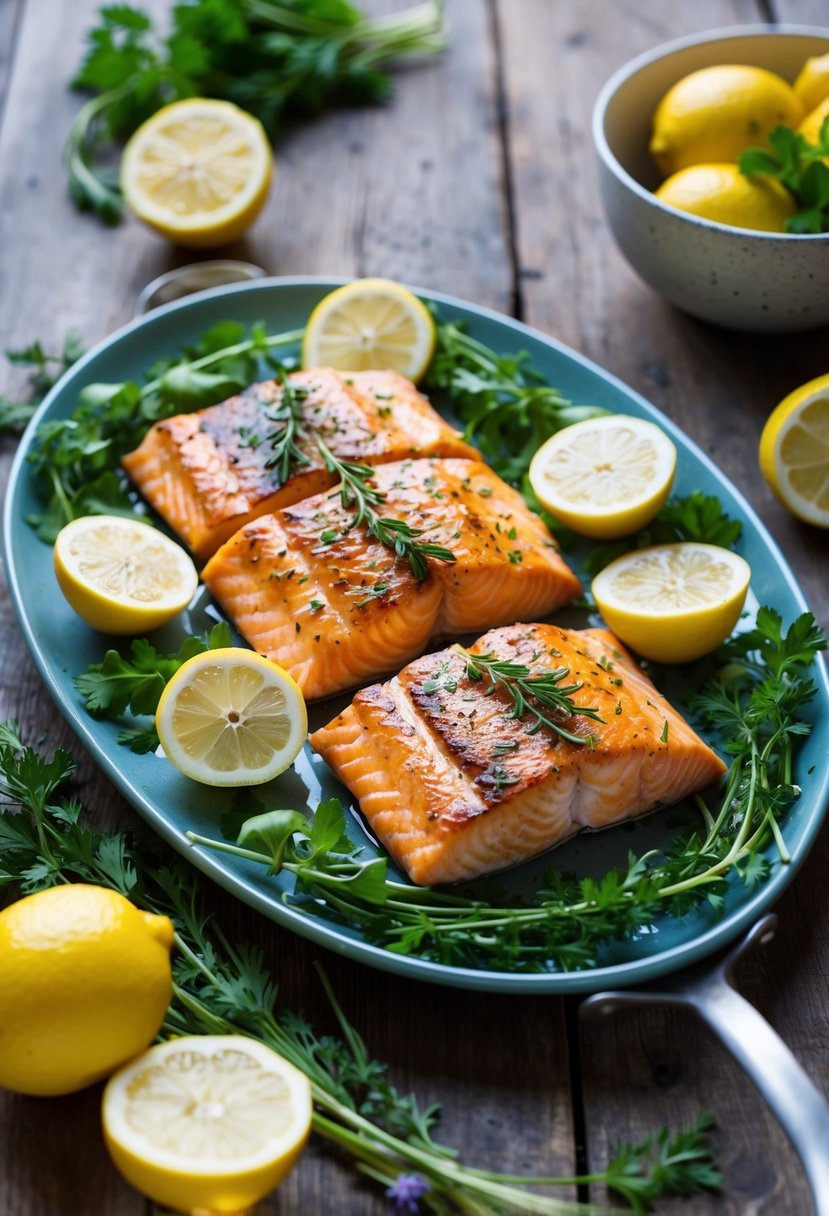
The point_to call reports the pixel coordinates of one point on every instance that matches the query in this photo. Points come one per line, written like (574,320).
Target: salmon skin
(338,610)
(455,787)
(207,473)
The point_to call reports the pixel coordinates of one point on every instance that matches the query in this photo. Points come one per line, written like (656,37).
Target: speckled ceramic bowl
(732,276)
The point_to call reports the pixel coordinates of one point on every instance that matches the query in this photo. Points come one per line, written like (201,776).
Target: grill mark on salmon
(456,788)
(337,615)
(205,473)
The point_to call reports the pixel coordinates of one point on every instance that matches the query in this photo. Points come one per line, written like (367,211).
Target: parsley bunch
(800,166)
(221,988)
(44,371)
(278,59)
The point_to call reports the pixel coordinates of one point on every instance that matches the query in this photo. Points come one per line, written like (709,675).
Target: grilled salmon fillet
(456,787)
(339,610)
(207,473)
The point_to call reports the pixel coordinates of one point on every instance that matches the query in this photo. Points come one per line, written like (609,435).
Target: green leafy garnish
(44,372)
(509,410)
(277,59)
(220,988)
(800,166)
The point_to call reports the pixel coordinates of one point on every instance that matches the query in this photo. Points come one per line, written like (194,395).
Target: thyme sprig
(528,688)
(286,455)
(221,988)
(357,493)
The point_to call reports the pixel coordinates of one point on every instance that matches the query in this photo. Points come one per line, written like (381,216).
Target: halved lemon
(198,171)
(122,576)
(367,325)
(673,603)
(231,717)
(209,1122)
(605,477)
(794,451)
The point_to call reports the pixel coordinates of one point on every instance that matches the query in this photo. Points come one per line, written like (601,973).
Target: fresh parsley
(44,371)
(277,59)
(800,166)
(221,988)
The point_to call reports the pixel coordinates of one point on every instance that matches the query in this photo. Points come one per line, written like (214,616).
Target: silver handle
(710,990)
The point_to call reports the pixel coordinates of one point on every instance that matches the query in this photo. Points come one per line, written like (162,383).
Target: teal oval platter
(62,646)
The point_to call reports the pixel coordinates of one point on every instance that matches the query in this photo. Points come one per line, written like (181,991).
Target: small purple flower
(405,1193)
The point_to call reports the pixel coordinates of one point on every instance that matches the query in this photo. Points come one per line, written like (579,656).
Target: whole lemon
(812,85)
(725,195)
(716,113)
(84,985)
(810,127)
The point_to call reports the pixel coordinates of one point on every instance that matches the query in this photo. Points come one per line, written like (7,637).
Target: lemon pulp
(605,477)
(794,452)
(231,717)
(673,603)
(207,1121)
(120,575)
(198,171)
(370,324)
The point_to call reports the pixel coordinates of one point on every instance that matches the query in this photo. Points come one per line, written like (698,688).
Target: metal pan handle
(711,992)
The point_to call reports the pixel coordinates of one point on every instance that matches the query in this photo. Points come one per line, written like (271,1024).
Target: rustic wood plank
(800,12)
(646,1069)
(10,16)
(413,191)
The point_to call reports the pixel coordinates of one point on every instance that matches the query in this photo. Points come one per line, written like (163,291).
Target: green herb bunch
(220,988)
(802,167)
(278,59)
(44,371)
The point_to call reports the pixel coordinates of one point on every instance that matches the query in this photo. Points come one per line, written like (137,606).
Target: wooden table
(479,180)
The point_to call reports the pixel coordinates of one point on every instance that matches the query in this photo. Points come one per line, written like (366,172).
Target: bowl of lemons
(714,174)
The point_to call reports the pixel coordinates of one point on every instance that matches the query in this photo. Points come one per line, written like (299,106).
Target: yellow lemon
(673,603)
(605,477)
(84,986)
(810,127)
(716,113)
(794,451)
(207,1122)
(231,717)
(370,324)
(198,171)
(812,84)
(725,195)
(122,576)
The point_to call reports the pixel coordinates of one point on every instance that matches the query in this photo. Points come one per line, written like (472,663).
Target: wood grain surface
(478,179)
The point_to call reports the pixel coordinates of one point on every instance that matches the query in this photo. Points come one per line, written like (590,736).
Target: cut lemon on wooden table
(230,717)
(605,477)
(673,603)
(794,451)
(198,171)
(122,576)
(207,1122)
(370,324)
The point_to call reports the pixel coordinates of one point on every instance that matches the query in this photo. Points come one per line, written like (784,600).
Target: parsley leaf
(799,165)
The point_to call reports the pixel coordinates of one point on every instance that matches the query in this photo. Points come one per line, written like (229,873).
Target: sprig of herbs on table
(44,371)
(278,60)
(754,697)
(220,988)
(800,166)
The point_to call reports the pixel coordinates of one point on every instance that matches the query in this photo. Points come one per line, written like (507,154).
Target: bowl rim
(633,66)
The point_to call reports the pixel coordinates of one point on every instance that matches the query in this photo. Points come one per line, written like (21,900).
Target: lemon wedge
(794,451)
(122,576)
(673,603)
(231,717)
(209,1122)
(198,171)
(370,324)
(605,477)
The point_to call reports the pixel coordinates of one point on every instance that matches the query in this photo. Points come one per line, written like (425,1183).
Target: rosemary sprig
(527,689)
(285,452)
(357,494)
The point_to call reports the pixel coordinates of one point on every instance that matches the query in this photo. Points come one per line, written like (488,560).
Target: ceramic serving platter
(62,645)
